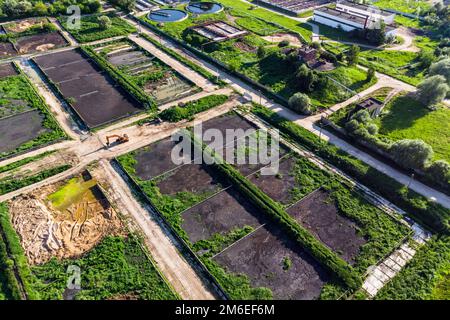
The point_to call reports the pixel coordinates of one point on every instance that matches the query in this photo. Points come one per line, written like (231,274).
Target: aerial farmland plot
(152,75)
(223,151)
(93,95)
(31,35)
(25,121)
(239,244)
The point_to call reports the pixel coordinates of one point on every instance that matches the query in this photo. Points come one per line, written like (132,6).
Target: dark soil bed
(318,213)
(40,42)
(155,159)
(7,70)
(228,121)
(262,255)
(220,214)
(7,50)
(95,97)
(278,186)
(16,130)
(192,178)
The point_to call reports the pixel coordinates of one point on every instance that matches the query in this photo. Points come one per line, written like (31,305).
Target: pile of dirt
(23,25)
(245,47)
(47,232)
(293,39)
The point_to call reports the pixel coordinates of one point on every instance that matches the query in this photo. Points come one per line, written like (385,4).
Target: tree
(352,126)
(306,78)
(440,171)
(300,102)
(353,55)
(441,68)
(104,22)
(411,154)
(262,52)
(426,58)
(372,128)
(93,6)
(40,8)
(375,35)
(125,4)
(362,116)
(432,90)
(370,74)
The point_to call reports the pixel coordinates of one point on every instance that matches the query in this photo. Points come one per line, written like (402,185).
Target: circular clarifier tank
(204,7)
(167,15)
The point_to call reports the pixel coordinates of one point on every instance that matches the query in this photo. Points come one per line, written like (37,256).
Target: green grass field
(404,5)
(90,30)
(117,268)
(296,26)
(405,118)
(398,64)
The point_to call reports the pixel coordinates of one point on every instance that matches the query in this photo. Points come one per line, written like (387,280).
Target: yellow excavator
(119,139)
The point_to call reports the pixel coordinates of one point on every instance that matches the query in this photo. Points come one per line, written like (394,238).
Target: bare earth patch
(278,37)
(47,232)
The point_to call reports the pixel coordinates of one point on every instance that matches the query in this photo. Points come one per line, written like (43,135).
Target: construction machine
(120,139)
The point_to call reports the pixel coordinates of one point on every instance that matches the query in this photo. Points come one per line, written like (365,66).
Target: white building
(347,21)
(364,10)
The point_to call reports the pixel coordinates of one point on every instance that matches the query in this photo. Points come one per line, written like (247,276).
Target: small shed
(372,105)
(307,54)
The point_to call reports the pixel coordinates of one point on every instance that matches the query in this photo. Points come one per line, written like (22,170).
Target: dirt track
(176,269)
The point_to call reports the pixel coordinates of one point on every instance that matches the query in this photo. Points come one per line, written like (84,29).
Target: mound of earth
(64,232)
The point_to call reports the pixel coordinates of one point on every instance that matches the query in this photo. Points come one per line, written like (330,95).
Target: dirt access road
(164,250)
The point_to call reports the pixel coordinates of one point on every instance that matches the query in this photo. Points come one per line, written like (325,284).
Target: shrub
(353,55)
(370,74)
(372,128)
(441,68)
(191,108)
(300,102)
(440,171)
(104,22)
(352,126)
(284,43)
(426,58)
(432,90)
(262,52)
(306,78)
(362,116)
(411,154)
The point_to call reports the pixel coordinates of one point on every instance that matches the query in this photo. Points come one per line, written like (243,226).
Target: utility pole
(410,180)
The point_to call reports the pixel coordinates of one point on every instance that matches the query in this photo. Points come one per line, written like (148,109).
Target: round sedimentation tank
(204,7)
(167,15)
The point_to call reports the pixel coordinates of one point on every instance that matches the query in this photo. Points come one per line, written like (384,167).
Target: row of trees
(26,8)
